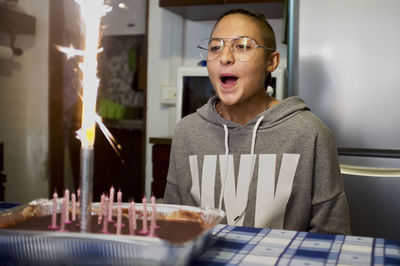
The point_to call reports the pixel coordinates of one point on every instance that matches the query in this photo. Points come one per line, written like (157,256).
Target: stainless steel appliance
(344,61)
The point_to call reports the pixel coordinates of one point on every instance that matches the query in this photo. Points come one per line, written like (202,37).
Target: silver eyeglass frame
(224,41)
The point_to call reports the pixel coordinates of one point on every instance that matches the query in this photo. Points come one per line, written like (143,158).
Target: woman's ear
(273,62)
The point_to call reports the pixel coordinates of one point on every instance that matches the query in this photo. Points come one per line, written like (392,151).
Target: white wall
(172,43)
(24,112)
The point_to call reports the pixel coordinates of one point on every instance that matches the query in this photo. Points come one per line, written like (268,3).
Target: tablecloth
(234,245)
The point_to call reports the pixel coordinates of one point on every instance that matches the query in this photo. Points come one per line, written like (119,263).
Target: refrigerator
(344,62)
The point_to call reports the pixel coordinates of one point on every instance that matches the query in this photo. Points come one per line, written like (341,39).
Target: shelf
(16,22)
(161,140)
(211,10)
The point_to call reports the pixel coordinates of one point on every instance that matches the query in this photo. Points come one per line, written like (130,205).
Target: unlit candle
(111,203)
(73,202)
(64,209)
(105,222)
(145,229)
(66,195)
(101,209)
(132,218)
(54,214)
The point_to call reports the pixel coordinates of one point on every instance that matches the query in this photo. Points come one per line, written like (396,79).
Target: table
(235,245)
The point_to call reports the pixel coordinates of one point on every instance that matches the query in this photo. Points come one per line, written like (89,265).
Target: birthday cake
(47,232)
(176,228)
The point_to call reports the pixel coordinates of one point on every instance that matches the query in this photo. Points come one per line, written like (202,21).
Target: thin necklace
(268,102)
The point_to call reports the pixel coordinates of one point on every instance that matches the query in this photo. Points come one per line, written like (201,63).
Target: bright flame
(91,13)
(122,6)
(70,51)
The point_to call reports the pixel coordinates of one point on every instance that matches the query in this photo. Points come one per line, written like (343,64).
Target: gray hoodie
(280,170)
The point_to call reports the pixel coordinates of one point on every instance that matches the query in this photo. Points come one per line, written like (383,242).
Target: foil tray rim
(134,246)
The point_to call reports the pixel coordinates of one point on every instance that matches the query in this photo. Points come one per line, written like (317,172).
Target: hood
(273,116)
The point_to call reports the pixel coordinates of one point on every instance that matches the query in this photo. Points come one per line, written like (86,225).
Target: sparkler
(91,12)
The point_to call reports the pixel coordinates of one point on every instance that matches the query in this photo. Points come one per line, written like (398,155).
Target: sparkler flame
(91,12)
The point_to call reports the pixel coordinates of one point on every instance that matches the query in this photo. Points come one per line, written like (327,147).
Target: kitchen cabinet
(2,176)
(123,172)
(198,10)
(16,22)
(129,20)
(160,158)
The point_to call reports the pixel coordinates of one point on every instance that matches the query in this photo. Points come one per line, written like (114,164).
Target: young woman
(265,163)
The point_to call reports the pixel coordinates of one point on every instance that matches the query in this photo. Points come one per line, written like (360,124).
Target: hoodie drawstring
(253,139)
(221,194)
(253,143)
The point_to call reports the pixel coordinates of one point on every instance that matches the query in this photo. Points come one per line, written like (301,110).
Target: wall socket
(168,95)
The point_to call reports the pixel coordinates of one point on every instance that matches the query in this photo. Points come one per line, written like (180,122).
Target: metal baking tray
(21,247)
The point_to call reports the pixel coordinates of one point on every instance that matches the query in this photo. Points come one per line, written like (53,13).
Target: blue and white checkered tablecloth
(7,205)
(255,246)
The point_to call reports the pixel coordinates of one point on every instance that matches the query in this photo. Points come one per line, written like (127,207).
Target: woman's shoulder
(311,124)
(300,118)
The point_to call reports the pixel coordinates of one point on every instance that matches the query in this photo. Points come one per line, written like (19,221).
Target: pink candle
(66,195)
(73,200)
(78,204)
(145,229)
(78,194)
(54,214)
(132,218)
(105,222)
(152,228)
(119,202)
(119,196)
(101,209)
(154,211)
(119,218)
(64,210)
(111,204)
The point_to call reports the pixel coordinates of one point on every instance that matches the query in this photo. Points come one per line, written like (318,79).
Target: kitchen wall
(172,43)
(24,112)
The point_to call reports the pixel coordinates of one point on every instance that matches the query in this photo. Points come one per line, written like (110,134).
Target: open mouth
(229,79)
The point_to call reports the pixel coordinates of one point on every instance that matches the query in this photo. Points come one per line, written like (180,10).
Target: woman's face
(235,81)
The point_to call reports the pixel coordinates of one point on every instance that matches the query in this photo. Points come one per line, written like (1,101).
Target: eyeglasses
(243,48)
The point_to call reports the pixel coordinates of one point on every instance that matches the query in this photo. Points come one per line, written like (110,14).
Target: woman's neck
(244,112)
